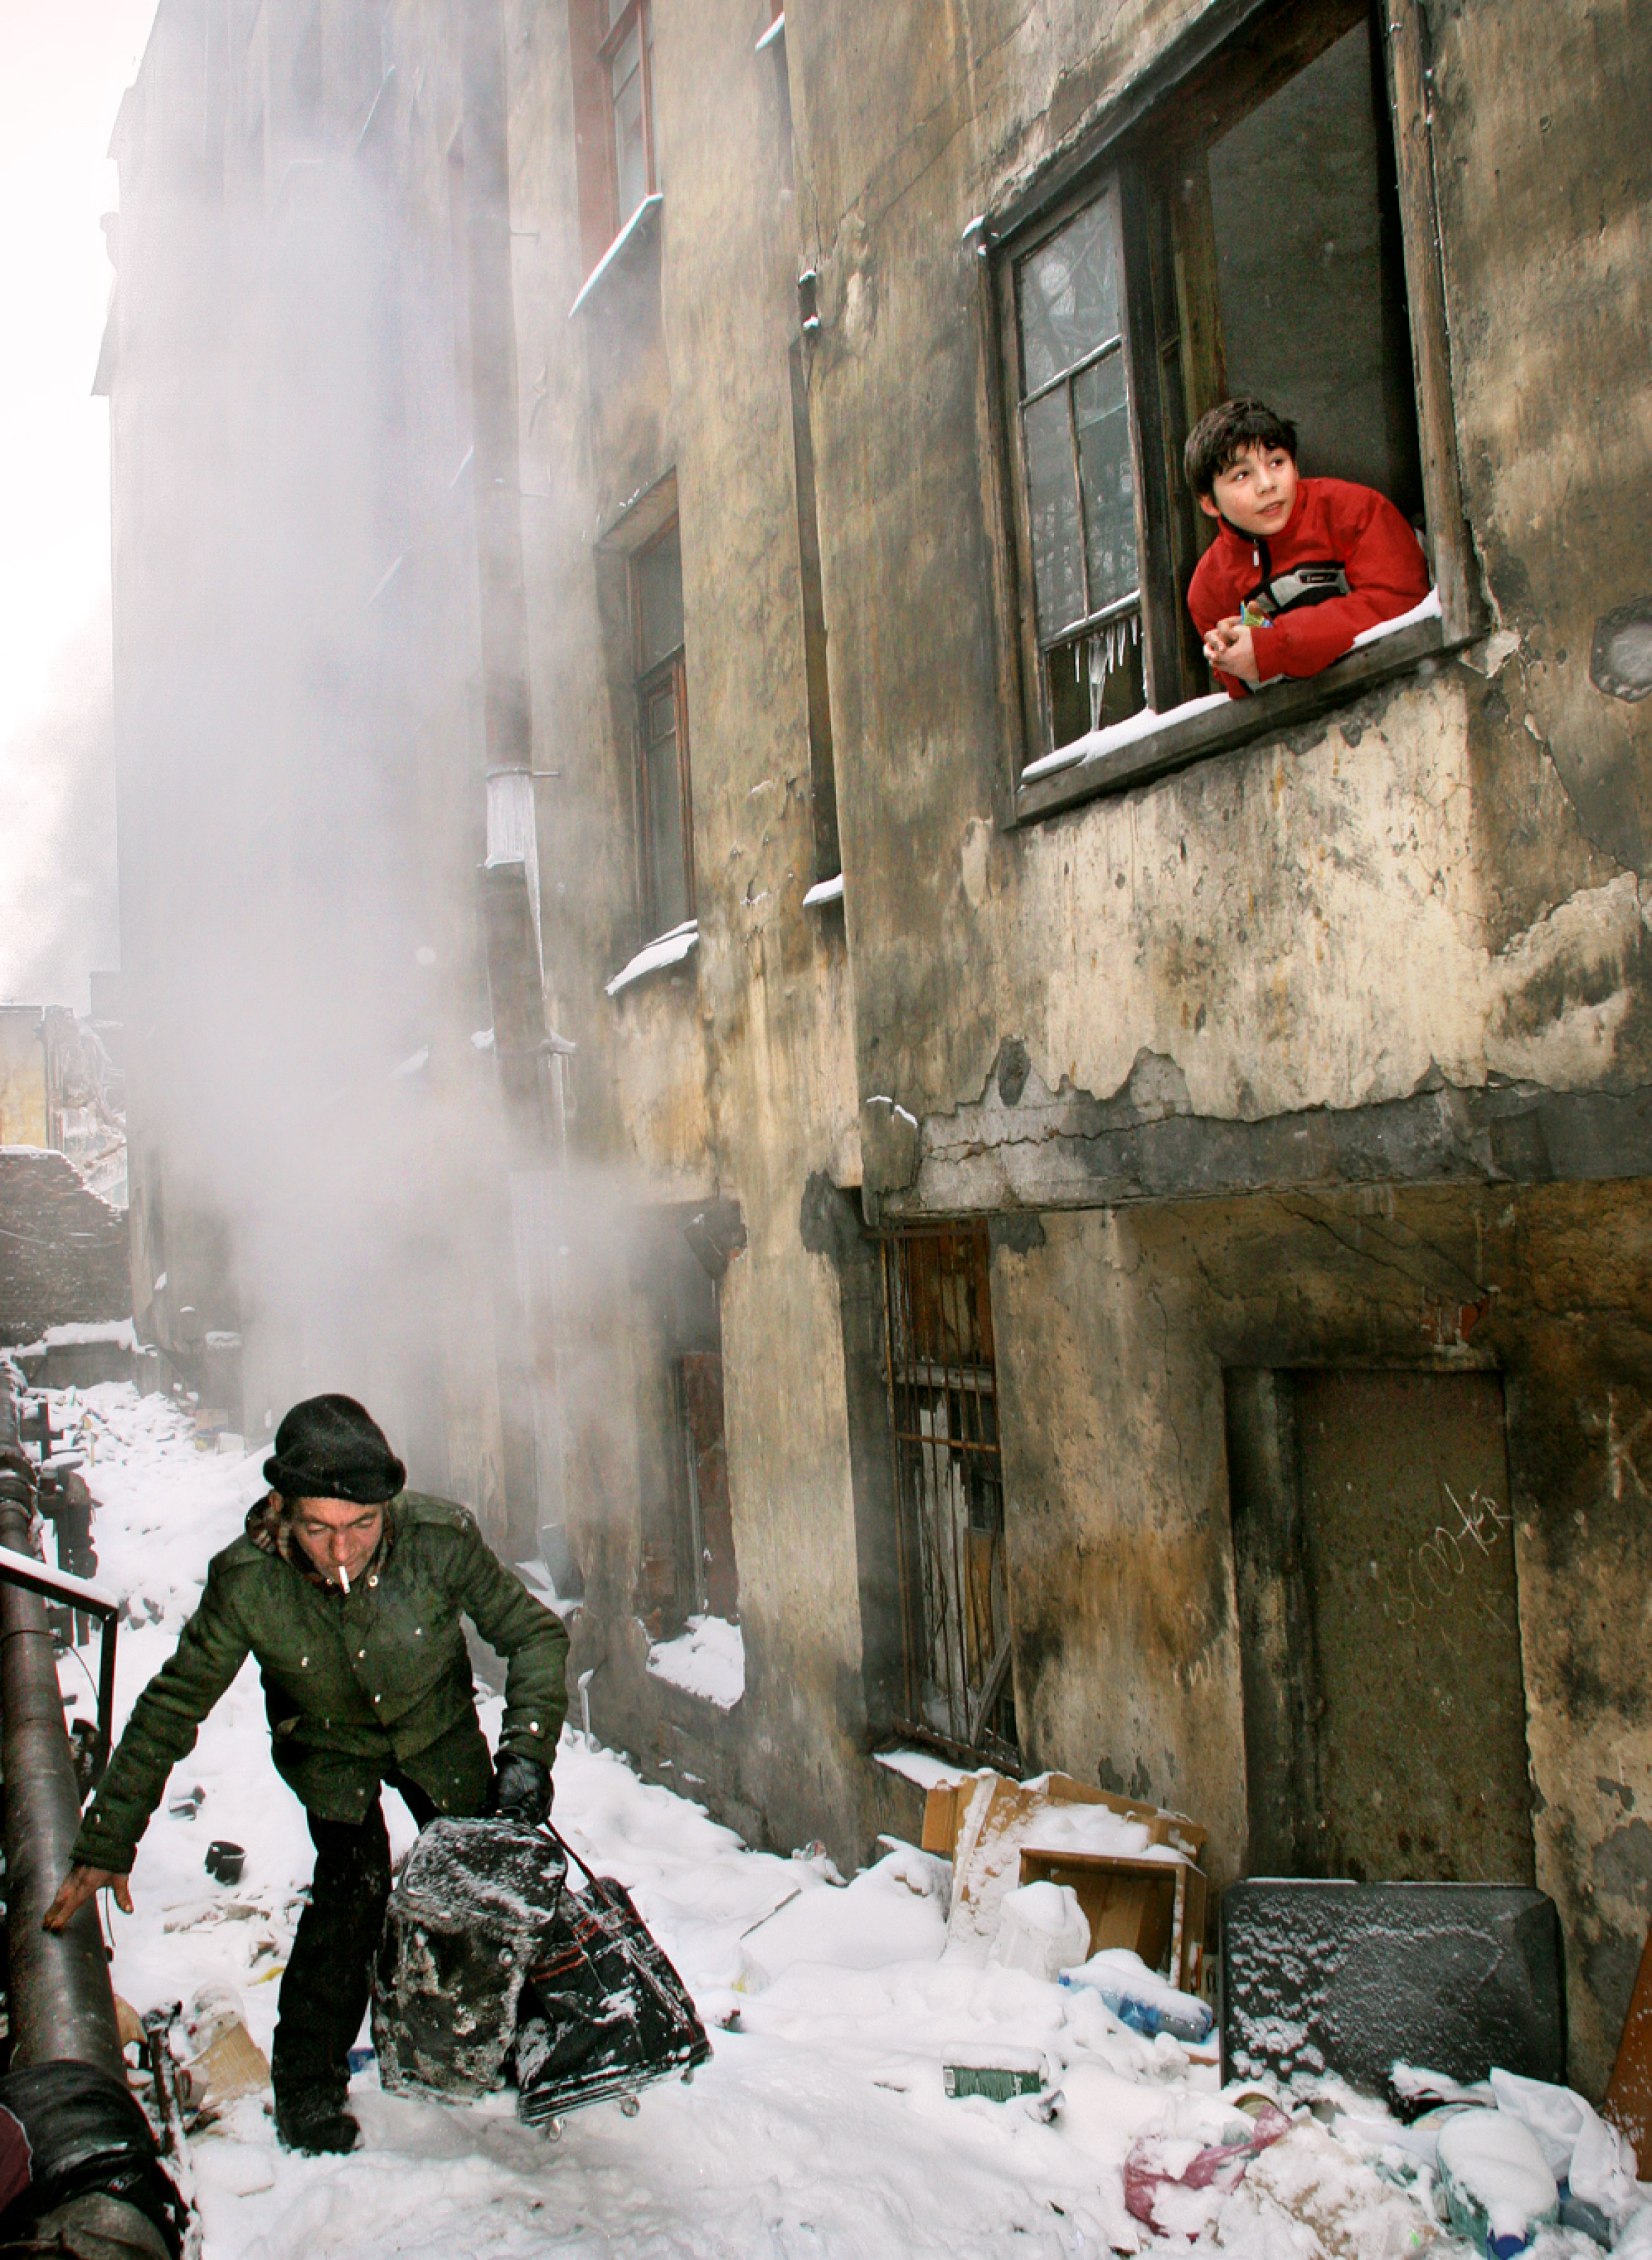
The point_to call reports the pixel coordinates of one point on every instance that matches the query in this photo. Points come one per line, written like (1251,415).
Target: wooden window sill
(1203,729)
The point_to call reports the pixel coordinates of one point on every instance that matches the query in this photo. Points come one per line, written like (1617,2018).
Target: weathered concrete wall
(1310,924)
(1116,1328)
(732,1072)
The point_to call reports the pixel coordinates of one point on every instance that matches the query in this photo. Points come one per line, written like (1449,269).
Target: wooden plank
(1461,609)
(1629,2097)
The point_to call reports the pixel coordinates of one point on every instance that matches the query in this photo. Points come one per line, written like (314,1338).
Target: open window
(1257,229)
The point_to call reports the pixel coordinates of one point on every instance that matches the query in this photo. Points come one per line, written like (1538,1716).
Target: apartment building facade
(1103,1227)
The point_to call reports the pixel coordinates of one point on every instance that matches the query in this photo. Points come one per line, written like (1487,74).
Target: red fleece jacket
(1334,524)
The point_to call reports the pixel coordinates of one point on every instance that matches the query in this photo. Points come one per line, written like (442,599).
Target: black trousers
(328,1979)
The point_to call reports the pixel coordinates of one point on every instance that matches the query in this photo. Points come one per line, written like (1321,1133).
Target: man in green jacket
(349,1589)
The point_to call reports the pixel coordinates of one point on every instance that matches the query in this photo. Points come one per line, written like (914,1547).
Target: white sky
(64,65)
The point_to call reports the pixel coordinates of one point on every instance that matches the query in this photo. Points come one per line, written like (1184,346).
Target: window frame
(1124,153)
(636,15)
(649,679)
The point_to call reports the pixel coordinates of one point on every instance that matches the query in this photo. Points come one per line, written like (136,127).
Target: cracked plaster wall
(1113,1330)
(1443,876)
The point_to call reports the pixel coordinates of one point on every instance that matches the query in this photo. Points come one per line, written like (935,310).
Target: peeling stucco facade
(1326,1051)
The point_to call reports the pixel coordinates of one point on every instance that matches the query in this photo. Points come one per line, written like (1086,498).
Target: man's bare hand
(79,1885)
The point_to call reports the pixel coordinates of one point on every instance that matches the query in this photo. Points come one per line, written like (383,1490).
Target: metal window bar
(949,1527)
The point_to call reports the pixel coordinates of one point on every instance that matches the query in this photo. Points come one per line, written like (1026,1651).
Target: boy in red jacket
(1299,566)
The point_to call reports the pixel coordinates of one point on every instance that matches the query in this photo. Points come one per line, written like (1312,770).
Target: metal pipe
(62,2004)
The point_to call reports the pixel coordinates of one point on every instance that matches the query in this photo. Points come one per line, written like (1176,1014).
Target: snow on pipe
(62,2004)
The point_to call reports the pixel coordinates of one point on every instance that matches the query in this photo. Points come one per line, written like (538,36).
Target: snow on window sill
(823,891)
(1150,745)
(777,31)
(670,949)
(707,1658)
(1096,743)
(1428,610)
(641,224)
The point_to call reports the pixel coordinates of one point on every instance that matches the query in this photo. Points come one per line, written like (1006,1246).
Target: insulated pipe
(60,2002)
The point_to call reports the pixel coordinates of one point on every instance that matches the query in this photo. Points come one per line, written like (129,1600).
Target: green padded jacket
(357,1687)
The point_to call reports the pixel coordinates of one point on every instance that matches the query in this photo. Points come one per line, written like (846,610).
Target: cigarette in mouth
(344,1576)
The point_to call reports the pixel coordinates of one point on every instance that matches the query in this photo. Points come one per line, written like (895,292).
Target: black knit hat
(332,1448)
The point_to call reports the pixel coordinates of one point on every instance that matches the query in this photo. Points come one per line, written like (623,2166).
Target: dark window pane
(1096,681)
(662,784)
(1058,580)
(660,600)
(1069,291)
(1300,223)
(1106,470)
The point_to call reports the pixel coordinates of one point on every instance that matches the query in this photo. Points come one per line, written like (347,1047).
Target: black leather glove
(521,1790)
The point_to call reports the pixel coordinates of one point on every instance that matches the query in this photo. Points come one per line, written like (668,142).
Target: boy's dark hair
(1222,434)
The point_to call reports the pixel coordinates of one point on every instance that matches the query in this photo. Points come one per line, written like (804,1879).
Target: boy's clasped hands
(1231,646)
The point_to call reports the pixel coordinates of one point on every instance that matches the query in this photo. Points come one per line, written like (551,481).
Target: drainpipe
(61,2005)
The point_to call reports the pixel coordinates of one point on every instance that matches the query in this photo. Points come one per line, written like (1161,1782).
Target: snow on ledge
(638,219)
(777,31)
(707,1659)
(669,949)
(1428,610)
(1096,743)
(823,890)
(923,1768)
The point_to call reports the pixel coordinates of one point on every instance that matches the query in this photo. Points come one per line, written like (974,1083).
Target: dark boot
(324,1988)
(314,2118)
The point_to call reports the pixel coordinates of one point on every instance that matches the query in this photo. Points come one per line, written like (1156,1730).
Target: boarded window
(949,1524)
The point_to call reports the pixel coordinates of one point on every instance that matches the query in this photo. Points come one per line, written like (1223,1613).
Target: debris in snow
(707,1658)
(1340,2199)
(821,2125)
(1175,2183)
(1139,1997)
(1001,1834)
(1041,1928)
(1495,2181)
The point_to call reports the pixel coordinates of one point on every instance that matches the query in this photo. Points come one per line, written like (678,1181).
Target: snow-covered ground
(820,2126)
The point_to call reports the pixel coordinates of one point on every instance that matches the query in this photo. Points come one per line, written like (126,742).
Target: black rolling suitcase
(491,1971)
(603,2012)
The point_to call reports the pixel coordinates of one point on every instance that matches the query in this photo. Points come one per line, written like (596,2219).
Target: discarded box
(1130,1864)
